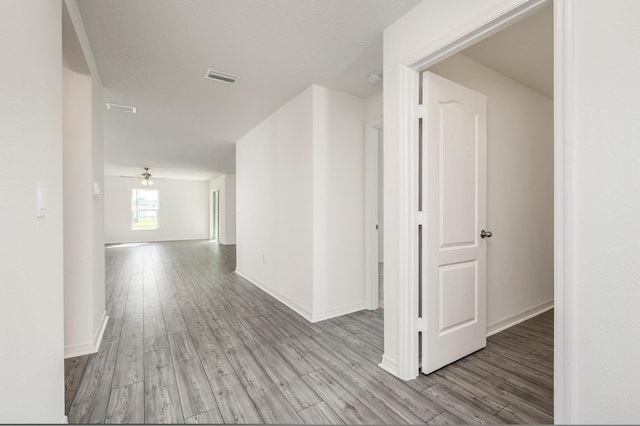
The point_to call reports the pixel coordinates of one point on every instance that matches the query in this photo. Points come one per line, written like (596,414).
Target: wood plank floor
(189,341)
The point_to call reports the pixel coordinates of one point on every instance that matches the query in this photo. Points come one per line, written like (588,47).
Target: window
(144,209)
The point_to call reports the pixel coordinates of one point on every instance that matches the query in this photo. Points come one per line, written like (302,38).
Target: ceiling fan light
(146,177)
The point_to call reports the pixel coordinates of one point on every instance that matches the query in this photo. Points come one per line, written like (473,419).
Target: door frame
(371,212)
(462,37)
(213,209)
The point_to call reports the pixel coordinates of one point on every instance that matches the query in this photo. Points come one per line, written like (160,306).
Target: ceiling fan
(145,177)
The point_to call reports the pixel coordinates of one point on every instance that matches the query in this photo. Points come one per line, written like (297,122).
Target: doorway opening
(214,233)
(506,239)
(380,227)
(374,214)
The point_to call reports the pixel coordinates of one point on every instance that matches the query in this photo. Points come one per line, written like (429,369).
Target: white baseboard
(72,351)
(112,242)
(300,310)
(336,312)
(389,365)
(97,337)
(518,318)
(90,347)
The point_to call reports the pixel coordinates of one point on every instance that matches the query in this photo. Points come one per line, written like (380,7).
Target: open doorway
(507,238)
(380,227)
(214,233)
(420,42)
(374,214)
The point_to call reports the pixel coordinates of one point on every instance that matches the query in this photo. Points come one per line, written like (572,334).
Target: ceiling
(153,54)
(522,52)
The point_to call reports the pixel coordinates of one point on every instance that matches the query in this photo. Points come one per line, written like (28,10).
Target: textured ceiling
(522,52)
(153,54)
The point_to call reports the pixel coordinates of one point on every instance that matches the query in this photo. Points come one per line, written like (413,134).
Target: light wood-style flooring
(189,341)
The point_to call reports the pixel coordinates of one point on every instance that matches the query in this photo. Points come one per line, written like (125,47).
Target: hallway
(188,340)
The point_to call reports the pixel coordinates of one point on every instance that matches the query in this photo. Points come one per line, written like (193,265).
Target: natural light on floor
(124,245)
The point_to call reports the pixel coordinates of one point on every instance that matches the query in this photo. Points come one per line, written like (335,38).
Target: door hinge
(421,218)
(421,325)
(420,110)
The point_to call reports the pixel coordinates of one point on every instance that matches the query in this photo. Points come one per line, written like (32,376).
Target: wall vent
(221,76)
(121,108)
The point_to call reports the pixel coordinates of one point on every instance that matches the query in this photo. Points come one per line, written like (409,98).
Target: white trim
(90,347)
(564,139)
(483,26)
(460,38)
(336,312)
(79,349)
(211,222)
(211,191)
(371,212)
(407,363)
(156,241)
(389,365)
(301,310)
(516,319)
(99,334)
(65,420)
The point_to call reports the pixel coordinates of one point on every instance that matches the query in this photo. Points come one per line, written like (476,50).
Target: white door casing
(454,198)
(215,216)
(371,217)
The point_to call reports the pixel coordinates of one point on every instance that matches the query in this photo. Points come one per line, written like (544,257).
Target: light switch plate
(96,189)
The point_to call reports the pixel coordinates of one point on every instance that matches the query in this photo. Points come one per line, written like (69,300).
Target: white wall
(274,177)
(300,204)
(230,205)
(78,217)
(519,191)
(338,203)
(83,159)
(604,293)
(97,153)
(183,214)
(226,184)
(373,107)
(31,292)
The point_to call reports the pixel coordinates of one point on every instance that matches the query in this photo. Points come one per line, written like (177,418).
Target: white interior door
(454,129)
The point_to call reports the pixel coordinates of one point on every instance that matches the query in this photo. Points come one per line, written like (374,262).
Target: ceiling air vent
(221,76)
(121,108)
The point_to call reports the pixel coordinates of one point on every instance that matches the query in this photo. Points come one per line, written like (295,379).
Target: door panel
(457,174)
(458,296)
(454,194)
